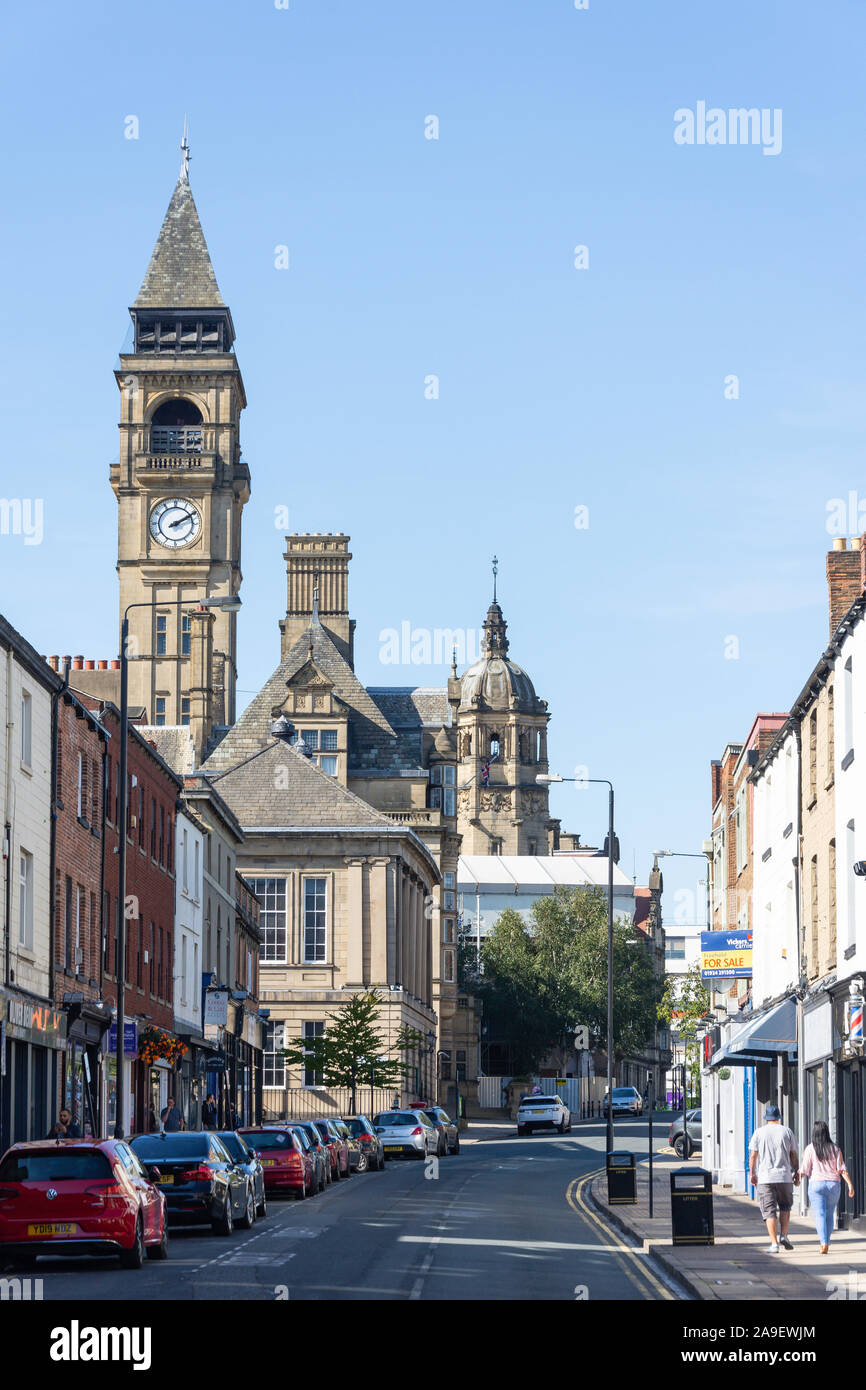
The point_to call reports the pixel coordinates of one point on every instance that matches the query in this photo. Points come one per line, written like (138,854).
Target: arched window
(494,745)
(176,428)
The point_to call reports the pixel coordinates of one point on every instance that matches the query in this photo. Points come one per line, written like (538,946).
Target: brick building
(150,907)
(81,761)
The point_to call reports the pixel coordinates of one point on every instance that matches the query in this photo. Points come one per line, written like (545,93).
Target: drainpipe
(801,973)
(52,849)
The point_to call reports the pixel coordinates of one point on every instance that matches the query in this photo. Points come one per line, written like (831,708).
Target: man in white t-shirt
(773,1168)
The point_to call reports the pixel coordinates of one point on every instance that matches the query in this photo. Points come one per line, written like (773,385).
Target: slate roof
(173,742)
(180,274)
(412,707)
(284,788)
(371,737)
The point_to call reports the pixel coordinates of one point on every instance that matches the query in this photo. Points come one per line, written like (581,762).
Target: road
(503,1219)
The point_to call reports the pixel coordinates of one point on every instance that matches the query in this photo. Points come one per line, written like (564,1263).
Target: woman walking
(824,1166)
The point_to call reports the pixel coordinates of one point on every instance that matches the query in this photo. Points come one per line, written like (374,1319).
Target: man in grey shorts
(773,1167)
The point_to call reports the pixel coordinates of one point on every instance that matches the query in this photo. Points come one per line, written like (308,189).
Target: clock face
(175,522)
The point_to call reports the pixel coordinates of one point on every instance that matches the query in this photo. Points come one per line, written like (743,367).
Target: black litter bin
(621,1179)
(692,1206)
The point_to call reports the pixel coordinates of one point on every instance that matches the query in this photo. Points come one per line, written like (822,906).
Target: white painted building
(489,883)
(188,948)
(776,832)
(850,800)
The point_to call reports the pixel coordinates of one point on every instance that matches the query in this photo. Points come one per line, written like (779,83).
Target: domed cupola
(494,682)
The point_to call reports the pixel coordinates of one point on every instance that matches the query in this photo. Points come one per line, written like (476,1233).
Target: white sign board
(216,1008)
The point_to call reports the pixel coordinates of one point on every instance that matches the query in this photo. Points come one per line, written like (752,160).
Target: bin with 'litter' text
(621,1178)
(692,1206)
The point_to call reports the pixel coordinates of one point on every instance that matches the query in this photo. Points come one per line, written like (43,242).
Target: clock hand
(174,524)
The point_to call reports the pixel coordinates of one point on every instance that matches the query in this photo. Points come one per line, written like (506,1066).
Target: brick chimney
(716,778)
(844,578)
(200,694)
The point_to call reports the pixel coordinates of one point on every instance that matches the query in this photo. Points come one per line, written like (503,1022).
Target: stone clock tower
(180,482)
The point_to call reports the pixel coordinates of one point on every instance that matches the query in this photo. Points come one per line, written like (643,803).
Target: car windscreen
(55,1165)
(152,1147)
(395,1119)
(357,1127)
(236,1147)
(312,1135)
(270,1139)
(623,1093)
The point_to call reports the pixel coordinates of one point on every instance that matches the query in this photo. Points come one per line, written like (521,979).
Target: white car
(536,1112)
(406,1133)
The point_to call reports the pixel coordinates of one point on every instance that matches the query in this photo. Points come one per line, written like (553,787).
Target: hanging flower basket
(154,1044)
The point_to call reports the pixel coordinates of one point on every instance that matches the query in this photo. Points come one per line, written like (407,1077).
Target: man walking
(65,1128)
(171,1117)
(209,1112)
(773,1168)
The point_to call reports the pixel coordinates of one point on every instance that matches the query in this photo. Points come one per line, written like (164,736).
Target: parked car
(199,1179)
(362,1130)
(695,1133)
(357,1156)
(406,1133)
(249,1160)
(288,1165)
(548,1112)
(337,1146)
(79,1197)
(447,1129)
(320,1153)
(627,1100)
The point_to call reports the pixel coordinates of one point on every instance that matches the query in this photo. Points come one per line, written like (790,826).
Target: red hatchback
(288,1167)
(79,1197)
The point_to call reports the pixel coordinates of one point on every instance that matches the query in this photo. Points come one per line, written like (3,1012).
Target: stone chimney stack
(325,556)
(844,578)
(201,712)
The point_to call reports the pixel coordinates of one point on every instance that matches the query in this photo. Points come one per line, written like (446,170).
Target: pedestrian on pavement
(209,1112)
(824,1165)
(171,1118)
(773,1168)
(65,1127)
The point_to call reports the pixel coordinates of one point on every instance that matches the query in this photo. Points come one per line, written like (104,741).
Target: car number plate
(53,1228)
(269,1163)
(163,1179)
(537,1112)
(392,1148)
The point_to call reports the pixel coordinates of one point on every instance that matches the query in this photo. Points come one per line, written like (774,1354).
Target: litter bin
(621,1179)
(692,1206)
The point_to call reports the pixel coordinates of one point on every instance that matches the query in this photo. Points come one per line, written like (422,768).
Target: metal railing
(175,439)
(319,1104)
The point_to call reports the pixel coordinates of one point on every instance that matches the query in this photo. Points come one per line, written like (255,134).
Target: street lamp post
(545,778)
(231,605)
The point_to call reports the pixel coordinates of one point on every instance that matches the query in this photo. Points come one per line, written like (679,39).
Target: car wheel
(224,1225)
(301,1192)
(562,1125)
(363,1163)
(249,1216)
(160,1251)
(263,1207)
(682,1148)
(456,1148)
(527,1129)
(134,1258)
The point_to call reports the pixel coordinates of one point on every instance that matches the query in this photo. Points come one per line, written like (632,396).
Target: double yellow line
(633,1265)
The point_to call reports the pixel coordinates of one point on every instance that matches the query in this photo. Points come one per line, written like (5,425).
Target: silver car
(406,1133)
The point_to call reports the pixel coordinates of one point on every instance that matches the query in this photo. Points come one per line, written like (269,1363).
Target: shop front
(32,1044)
(850,1079)
(82,1081)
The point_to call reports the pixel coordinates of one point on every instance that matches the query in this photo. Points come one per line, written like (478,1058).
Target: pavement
(738,1266)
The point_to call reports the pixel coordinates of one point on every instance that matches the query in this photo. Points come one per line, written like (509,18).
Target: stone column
(402,943)
(355,922)
(412,939)
(393,911)
(200,669)
(379,921)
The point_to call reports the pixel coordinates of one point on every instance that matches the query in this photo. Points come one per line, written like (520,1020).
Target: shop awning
(767,1035)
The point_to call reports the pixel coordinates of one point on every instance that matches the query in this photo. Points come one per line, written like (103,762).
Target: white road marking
(519,1244)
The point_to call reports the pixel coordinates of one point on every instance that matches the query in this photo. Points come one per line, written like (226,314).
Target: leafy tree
(352,1048)
(545,974)
(686,999)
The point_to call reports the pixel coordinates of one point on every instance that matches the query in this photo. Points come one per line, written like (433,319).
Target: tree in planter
(353,1050)
(685,1001)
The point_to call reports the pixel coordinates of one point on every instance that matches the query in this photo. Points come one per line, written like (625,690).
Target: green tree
(543,975)
(684,1002)
(352,1048)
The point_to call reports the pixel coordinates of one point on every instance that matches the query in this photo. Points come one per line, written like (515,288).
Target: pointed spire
(314,618)
(495,641)
(180,274)
(495,572)
(185,155)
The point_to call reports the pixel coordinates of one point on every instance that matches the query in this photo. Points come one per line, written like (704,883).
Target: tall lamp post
(230,604)
(545,778)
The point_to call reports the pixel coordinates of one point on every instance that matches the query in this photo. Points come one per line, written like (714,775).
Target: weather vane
(184,147)
(495,572)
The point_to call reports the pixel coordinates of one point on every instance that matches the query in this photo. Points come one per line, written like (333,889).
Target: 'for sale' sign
(726,955)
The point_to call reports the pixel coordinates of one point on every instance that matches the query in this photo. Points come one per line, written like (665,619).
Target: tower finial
(314,618)
(184,148)
(495,572)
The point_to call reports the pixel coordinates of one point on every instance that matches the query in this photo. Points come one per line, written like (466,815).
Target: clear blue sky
(409,256)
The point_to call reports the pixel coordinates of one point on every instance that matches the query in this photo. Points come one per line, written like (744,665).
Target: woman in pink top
(824,1166)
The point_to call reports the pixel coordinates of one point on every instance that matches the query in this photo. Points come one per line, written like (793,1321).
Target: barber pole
(855,1020)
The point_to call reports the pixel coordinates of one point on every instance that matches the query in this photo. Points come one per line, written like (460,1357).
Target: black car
(249,1160)
(373,1154)
(199,1178)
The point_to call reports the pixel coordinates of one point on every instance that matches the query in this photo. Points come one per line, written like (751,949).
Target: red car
(337,1147)
(288,1166)
(79,1197)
